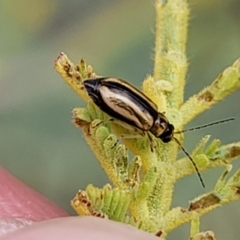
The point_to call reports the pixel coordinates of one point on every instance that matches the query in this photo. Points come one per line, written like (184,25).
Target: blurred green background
(40,145)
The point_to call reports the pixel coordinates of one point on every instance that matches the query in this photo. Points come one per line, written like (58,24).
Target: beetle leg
(104,121)
(140,134)
(122,136)
(152,141)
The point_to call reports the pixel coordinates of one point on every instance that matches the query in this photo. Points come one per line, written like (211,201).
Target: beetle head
(167,135)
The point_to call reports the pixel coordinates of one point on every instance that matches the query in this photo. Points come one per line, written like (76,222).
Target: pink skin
(25,214)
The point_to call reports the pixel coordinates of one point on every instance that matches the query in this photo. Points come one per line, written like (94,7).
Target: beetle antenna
(191,159)
(205,125)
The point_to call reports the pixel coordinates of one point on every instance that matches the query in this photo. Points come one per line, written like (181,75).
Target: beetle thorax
(159,126)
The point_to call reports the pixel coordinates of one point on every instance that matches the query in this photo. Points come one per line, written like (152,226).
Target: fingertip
(20,201)
(80,228)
